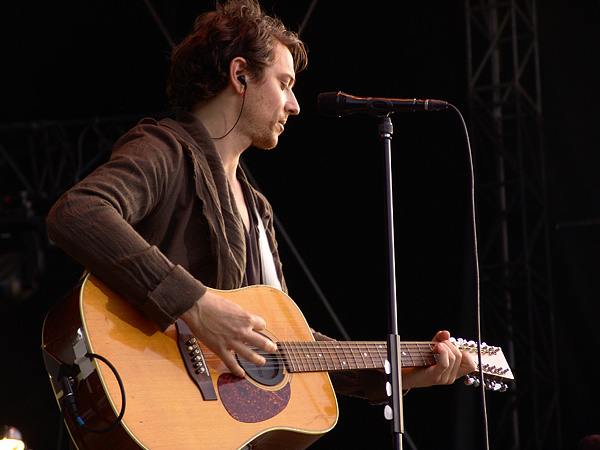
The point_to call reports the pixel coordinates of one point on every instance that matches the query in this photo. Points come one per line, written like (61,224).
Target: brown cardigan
(158,222)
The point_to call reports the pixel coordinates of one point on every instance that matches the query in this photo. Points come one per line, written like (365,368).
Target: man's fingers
(448,362)
(442,336)
(249,355)
(258,323)
(255,342)
(261,342)
(229,360)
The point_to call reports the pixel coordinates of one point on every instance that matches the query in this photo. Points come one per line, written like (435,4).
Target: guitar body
(164,407)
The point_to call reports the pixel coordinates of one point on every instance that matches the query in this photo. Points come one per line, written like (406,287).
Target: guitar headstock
(496,370)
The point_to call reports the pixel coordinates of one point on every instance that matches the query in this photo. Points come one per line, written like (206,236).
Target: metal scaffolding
(516,286)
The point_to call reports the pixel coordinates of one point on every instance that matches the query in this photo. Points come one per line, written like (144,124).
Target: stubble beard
(266,139)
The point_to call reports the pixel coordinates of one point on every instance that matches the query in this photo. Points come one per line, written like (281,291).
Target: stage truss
(517,296)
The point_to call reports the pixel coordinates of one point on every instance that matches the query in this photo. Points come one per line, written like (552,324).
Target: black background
(67,60)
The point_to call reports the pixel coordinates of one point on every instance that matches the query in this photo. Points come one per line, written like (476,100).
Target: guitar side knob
(388,412)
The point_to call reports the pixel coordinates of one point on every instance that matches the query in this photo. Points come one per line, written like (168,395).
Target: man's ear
(237,73)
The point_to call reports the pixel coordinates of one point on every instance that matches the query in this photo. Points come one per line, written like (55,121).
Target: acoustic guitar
(121,383)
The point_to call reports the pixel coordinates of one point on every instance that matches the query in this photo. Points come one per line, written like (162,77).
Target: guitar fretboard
(324,356)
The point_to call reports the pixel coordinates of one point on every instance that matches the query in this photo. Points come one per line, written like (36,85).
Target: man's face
(270,100)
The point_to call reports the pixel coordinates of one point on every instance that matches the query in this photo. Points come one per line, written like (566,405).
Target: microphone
(338,104)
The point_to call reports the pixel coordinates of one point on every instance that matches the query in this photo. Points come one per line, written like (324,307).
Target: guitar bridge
(194,360)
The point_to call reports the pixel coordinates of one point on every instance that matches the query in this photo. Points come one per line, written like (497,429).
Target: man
(172,211)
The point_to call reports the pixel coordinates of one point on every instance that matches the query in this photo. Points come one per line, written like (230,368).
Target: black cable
(477,281)
(61,428)
(69,398)
(238,119)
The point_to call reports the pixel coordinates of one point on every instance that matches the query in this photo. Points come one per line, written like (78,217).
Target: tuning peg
(493,386)
(472,381)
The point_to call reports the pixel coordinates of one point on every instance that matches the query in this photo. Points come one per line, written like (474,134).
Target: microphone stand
(395,411)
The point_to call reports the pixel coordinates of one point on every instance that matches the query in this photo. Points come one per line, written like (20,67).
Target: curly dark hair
(200,64)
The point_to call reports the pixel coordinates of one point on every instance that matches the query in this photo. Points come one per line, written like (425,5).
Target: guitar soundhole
(269,374)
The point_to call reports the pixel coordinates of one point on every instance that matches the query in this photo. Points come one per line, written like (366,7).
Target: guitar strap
(269,274)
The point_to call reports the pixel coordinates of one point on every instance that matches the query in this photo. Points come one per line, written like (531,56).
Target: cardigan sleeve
(94,223)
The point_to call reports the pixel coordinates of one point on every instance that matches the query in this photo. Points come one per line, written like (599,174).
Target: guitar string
(321,353)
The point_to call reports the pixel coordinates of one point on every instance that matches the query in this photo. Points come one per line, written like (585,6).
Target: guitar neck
(322,356)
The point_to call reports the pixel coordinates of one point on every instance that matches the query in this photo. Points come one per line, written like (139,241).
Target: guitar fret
(367,356)
(333,355)
(323,355)
(296,355)
(363,355)
(408,360)
(310,363)
(375,362)
(315,358)
(354,359)
(382,352)
(370,354)
(300,359)
(432,356)
(346,364)
(422,360)
(305,360)
(340,356)
(284,355)
(349,355)
(426,357)
(288,359)
(330,355)
(319,356)
(344,361)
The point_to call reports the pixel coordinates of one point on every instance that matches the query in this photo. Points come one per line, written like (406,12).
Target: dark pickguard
(248,403)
